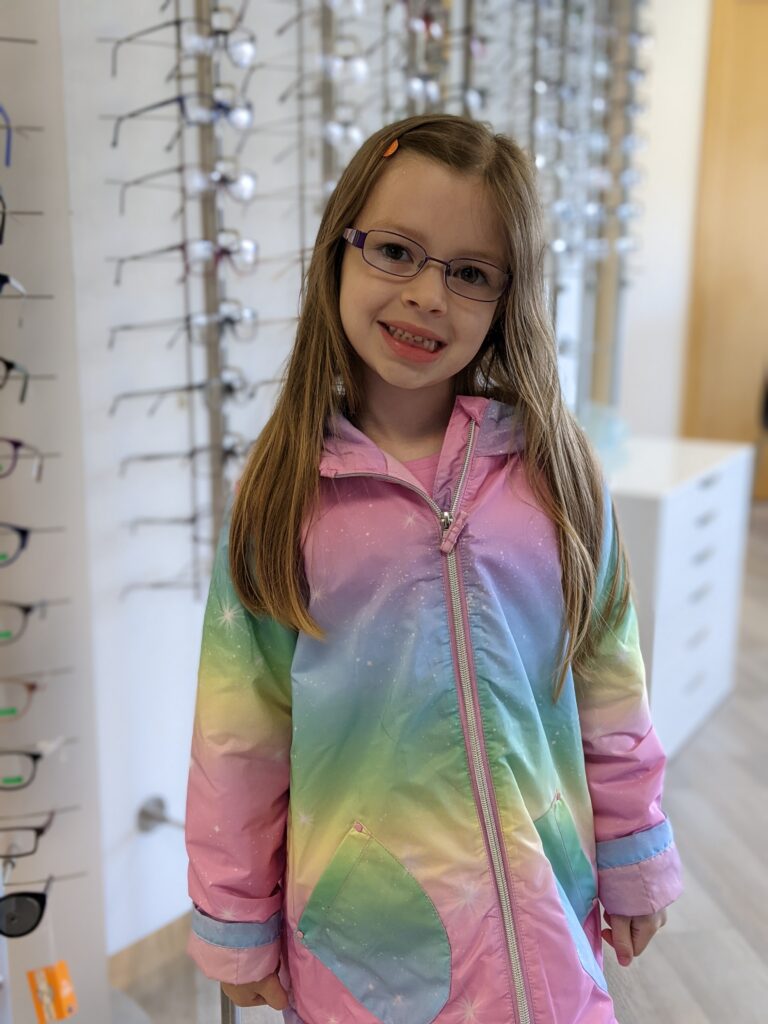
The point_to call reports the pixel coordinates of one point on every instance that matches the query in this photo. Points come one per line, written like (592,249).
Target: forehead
(435,205)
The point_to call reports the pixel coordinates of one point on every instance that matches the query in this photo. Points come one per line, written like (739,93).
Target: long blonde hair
(516,364)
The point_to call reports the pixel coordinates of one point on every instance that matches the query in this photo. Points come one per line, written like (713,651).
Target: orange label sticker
(53,994)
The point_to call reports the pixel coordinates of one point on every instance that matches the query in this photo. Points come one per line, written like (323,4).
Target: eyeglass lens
(15,698)
(16,770)
(12,622)
(21,913)
(403,257)
(10,545)
(18,842)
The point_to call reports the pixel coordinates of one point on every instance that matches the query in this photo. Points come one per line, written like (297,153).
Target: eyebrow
(407,233)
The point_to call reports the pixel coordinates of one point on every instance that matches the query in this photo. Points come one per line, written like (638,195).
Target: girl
(422,749)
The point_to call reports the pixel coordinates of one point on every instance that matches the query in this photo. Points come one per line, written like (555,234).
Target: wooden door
(727,355)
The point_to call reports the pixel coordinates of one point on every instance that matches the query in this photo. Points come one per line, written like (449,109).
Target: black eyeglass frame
(357,238)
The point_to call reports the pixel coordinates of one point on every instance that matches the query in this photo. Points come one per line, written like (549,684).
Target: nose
(428,289)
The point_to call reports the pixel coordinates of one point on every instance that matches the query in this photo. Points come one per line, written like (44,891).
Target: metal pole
(210,227)
(230,1014)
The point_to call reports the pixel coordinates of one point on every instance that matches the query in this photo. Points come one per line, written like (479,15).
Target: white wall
(652,378)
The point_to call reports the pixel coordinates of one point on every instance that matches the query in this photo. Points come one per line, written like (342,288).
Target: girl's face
(451,216)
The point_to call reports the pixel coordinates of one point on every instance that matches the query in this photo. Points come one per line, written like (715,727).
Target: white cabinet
(683,509)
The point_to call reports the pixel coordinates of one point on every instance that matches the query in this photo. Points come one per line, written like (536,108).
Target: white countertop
(653,465)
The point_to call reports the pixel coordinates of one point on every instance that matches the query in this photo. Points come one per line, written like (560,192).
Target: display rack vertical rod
(605,366)
(191,419)
(559,145)
(302,148)
(622,196)
(209,219)
(468,64)
(330,162)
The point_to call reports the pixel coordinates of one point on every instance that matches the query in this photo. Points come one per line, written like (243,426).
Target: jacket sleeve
(639,869)
(237,794)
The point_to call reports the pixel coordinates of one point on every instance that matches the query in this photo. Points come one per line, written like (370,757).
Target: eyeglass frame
(224,320)
(9,134)
(16,445)
(219,108)
(39,830)
(23,533)
(27,610)
(357,238)
(10,367)
(213,34)
(32,689)
(227,245)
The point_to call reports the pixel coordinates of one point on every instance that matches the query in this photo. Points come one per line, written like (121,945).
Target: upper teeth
(414,339)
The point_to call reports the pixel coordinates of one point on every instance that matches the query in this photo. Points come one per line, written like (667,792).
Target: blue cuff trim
(619,853)
(235,934)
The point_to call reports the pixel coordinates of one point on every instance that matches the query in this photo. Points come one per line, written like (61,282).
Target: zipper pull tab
(446,521)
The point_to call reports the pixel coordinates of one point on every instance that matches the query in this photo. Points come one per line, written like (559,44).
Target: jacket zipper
(445,519)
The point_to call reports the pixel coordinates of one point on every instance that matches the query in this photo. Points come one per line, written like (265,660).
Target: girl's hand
(630,935)
(267,992)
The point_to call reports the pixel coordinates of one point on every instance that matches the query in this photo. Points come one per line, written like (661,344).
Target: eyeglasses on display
(242,254)
(226,177)
(12,450)
(198,39)
(18,768)
(203,516)
(241,321)
(14,617)
(23,840)
(16,698)
(231,385)
(8,134)
(196,109)
(400,256)
(22,912)
(7,281)
(14,540)
(205,459)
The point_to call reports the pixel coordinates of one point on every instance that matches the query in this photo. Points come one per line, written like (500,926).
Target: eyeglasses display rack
(51,887)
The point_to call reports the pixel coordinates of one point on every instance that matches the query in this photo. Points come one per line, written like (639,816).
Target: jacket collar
(348,450)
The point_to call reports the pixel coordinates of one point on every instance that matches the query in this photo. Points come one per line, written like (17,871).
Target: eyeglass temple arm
(143,179)
(137,113)
(114,331)
(8,136)
(142,256)
(138,35)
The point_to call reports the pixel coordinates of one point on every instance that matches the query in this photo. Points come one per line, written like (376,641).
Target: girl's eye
(396,253)
(471,274)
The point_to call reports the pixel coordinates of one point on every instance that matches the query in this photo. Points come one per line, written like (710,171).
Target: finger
(274,993)
(608,936)
(642,933)
(622,939)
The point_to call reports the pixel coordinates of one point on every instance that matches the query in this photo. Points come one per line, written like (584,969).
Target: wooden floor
(709,964)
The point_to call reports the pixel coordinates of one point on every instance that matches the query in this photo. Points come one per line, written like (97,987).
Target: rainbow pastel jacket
(399,818)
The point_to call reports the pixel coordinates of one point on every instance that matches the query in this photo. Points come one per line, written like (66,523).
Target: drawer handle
(698,638)
(699,593)
(705,517)
(704,555)
(695,682)
(708,481)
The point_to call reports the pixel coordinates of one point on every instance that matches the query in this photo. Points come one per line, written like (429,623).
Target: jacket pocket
(370,922)
(574,877)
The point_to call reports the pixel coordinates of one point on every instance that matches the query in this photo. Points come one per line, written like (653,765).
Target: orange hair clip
(391,148)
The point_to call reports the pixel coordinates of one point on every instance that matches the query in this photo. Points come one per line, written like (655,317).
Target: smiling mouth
(429,344)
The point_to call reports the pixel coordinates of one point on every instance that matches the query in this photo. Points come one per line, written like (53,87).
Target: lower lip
(412,352)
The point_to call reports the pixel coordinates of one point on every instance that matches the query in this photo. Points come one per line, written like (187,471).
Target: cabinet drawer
(685,691)
(700,541)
